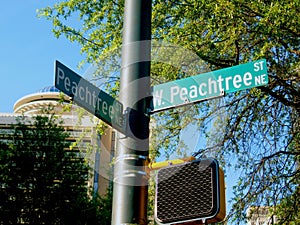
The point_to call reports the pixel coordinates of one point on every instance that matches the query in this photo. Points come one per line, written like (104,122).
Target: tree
(42,180)
(258,128)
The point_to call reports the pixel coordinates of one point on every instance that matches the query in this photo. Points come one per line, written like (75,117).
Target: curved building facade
(84,138)
(32,103)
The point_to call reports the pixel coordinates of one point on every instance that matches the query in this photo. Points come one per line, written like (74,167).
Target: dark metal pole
(130,192)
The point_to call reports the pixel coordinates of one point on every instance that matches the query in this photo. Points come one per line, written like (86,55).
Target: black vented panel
(185,192)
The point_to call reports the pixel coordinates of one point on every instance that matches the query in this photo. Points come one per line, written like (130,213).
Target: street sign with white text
(88,96)
(209,85)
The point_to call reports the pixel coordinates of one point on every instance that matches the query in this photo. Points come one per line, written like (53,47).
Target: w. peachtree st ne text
(209,85)
(89,96)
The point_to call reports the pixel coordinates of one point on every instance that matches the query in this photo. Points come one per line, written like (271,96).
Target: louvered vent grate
(185,192)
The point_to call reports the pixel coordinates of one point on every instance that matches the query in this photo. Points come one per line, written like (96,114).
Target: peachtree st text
(90,97)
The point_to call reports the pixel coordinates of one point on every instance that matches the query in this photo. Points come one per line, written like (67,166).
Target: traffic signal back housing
(189,192)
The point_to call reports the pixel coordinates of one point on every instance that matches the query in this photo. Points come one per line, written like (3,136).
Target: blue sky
(28,51)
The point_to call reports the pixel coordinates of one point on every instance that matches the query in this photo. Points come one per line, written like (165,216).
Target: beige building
(260,216)
(84,138)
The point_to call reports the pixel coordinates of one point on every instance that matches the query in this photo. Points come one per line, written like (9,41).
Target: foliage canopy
(42,180)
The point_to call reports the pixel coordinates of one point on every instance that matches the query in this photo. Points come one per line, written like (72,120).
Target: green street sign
(88,96)
(209,85)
